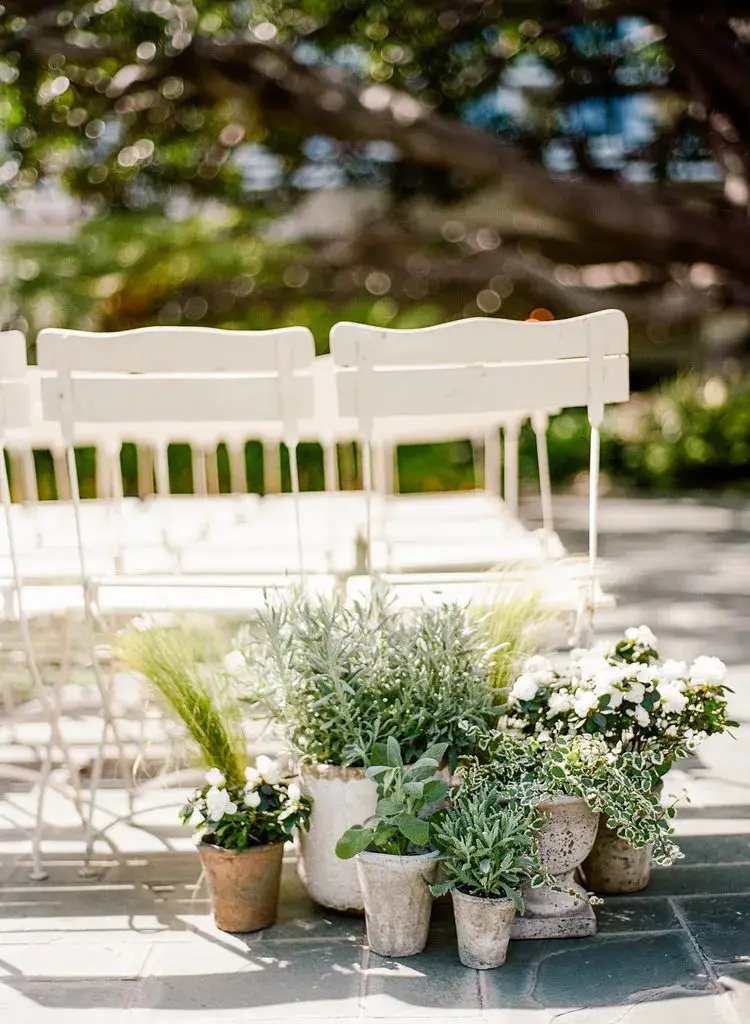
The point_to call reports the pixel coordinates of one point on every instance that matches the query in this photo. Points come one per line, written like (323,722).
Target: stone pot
(615,866)
(483,928)
(398,901)
(342,797)
(244,886)
(565,840)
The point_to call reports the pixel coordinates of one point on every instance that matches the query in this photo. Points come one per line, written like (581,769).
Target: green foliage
(408,796)
(265,810)
(181,672)
(515,625)
(488,845)
(624,788)
(340,677)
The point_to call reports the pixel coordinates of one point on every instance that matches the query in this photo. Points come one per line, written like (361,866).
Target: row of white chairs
(221,555)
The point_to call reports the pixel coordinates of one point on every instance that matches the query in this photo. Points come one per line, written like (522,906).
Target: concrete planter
(614,866)
(483,929)
(244,886)
(398,901)
(342,797)
(565,840)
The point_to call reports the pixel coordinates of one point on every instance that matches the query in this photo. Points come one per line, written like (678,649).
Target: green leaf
(415,830)
(387,807)
(379,753)
(441,888)
(436,752)
(435,789)
(354,841)
(393,759)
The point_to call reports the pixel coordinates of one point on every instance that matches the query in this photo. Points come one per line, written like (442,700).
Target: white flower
(559,702)
(615,699)
(642,635)
(294,793)
(671,730)
(252,798)
(234,663)
(592,667)
(268,769)
(608,679)
(636,693)
(672,670)
(524,688)
(252,775)
(585,701)
(537,664)
(707,670)
(641,716)
(218,804)
(646,674)
(214,777)
(672,699)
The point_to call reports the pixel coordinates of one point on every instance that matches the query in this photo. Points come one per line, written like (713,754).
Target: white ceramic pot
(483,929)
(398,901)
(342,797)
(615,866)
(565,840)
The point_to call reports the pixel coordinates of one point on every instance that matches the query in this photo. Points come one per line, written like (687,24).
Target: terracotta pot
(342,797)
(244,886)
(483,929)
(398,901)
(615,866)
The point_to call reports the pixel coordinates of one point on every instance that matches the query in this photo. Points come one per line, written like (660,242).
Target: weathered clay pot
(342,797)
(398,901)
(244,886)
(565,840)
(483,929)
(615,866)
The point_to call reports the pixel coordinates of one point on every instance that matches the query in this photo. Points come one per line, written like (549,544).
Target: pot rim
(393,857)
(223,851)
(324,771)
(562,800)
(495,901)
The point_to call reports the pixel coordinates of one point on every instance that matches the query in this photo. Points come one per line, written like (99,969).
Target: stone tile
(713,849)
(64,1001)
(672,1007)
(682,880)
(629,914)
(721,926)
(593,972)
(431,985)
(80,960)
(302,918)
(284,980)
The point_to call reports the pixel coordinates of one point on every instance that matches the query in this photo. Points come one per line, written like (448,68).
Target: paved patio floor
(136,944)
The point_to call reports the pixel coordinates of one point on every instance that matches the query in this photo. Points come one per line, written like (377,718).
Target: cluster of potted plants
(431,759)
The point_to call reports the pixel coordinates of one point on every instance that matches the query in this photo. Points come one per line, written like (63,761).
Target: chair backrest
(481,365)
(177,374)
(15,400)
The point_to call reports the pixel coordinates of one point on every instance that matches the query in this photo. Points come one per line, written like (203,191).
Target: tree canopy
(466,156)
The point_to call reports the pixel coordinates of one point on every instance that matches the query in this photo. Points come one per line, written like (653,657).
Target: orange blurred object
(539,315)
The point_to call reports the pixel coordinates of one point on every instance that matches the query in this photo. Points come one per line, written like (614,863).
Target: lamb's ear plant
(181,669)
(488,845)
(408,796)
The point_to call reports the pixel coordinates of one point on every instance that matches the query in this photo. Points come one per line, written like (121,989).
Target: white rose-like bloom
(608,679)
(707,670)
(615,698)
(592,667)
(252,798)
(524,688)
(234,663)
(586,700)
(294,793)
(642,636)
(641,716)
(672,670)
(214,777)
(558,703)
(218,804)
(252,777)
(672,698)
(636,693)
(647,674)
(268,769)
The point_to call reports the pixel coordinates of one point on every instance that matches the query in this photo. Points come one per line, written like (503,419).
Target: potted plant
(637,704)
(340,678)
(572,780)
(244,813)
(394,856)
(489,853)
(242,831)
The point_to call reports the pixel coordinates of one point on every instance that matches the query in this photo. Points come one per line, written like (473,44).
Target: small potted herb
(242,831)
(394,855)
(488,855)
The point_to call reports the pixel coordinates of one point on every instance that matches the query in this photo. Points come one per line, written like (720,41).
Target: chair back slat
(12,355)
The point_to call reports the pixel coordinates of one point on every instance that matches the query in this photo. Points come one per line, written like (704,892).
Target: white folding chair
(483,366)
